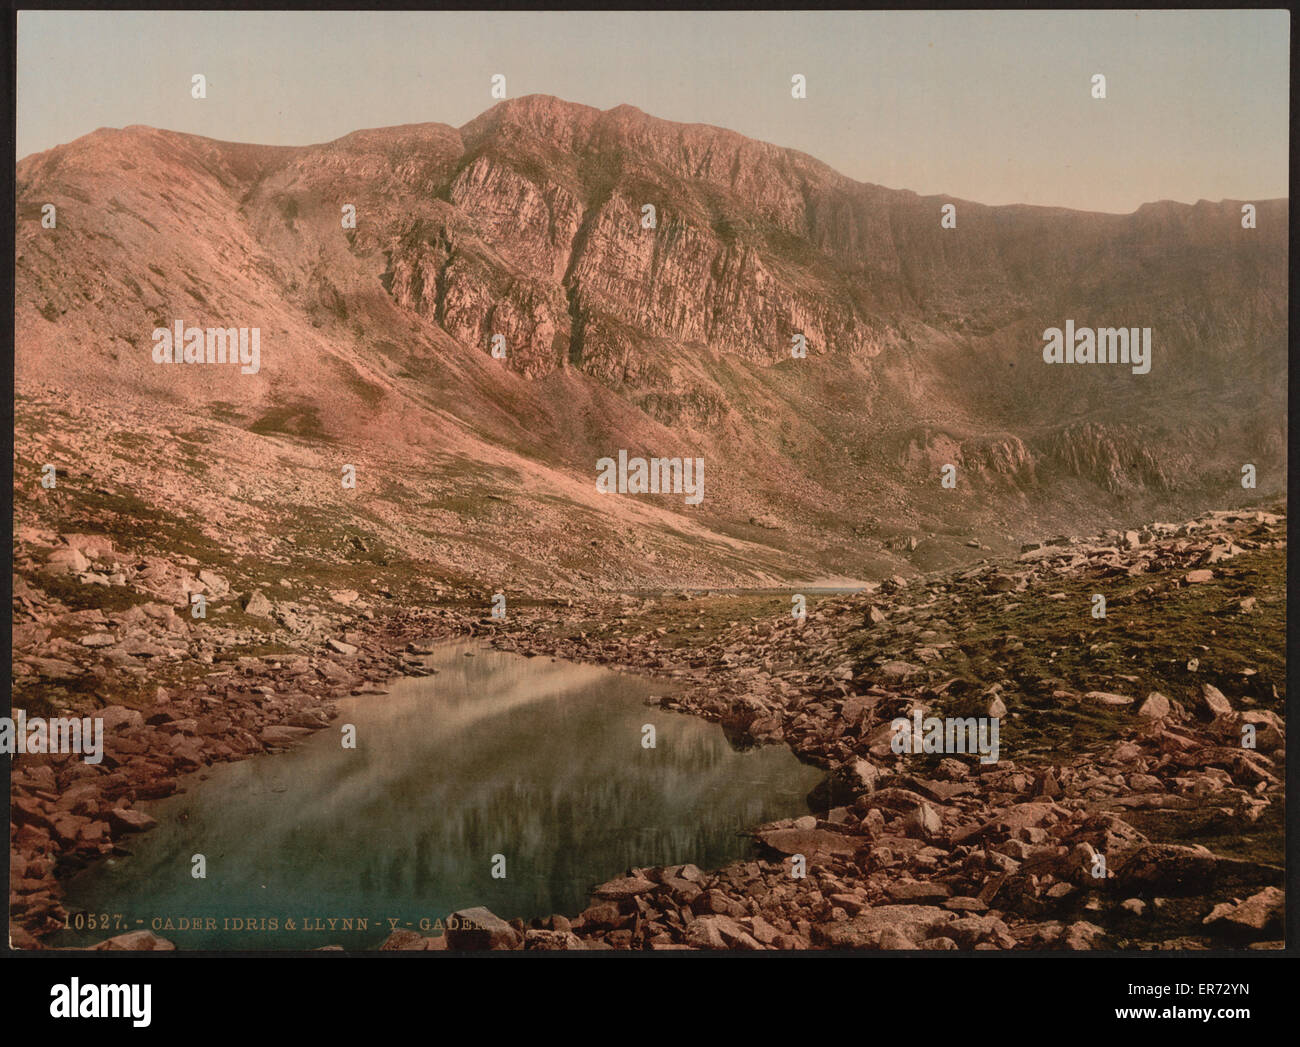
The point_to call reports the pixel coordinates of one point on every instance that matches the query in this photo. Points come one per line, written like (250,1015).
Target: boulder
(719,932)
(215,584)
(68,560)
(808,842)
(1256,913)
(1215,700)
(258,605)
(623,888)
(552,941)
(118,715)
(127,819)
(282,734)
(1105,698)
(478,929)
(1156,707)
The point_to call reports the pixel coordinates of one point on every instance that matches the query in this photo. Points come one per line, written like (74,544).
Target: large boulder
(623,888)
(127,819)
(68,560)
(257,605)
(1215,700)
(116,716)
(808,842)
(1256,913)
(479,929)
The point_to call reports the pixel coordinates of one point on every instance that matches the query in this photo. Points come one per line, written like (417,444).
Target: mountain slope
(924,343)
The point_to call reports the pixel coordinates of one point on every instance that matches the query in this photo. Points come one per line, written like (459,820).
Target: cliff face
(530,222)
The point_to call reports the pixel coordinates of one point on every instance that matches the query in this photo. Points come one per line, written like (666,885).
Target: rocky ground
(1121,737)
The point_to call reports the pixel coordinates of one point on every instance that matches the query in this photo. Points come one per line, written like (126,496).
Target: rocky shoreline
(904,851)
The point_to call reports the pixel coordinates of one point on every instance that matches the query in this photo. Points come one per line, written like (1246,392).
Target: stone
(95,546)
(68,560)
(1215,700)
(127,819)
(215,583)
(894,939)
(703,933)
(864,773)
(282,734)
(1156,706)
(1256,913)
(343,648)
(918,891)
(719,932)
(764,933)
(924,820)
(1105,698)
(623,888)
(968,931)
(478,929)
(898,670)
(258,605)
(914,922)
(952,770)
(816,841)
(1082,936)
(602,915)
(552,941)
(965,903)
(1198,577)
(1270,729)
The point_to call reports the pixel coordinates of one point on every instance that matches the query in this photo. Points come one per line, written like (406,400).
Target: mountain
(924,348)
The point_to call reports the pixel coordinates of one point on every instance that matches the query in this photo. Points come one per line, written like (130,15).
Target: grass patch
(1034,646)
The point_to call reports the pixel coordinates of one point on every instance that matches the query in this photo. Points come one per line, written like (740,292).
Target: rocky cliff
(672,336)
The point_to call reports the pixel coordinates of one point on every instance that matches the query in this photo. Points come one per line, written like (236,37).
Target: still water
(537,760)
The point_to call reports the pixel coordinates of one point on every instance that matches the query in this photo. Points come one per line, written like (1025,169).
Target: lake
(536,760)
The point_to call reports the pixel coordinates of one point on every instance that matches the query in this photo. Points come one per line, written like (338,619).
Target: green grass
(301,421)
(77,596)
(1041,645)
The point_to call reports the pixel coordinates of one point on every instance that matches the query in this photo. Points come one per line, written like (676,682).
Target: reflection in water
(537,760)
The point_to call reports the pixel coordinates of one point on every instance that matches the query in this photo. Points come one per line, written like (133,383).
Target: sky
(994,107)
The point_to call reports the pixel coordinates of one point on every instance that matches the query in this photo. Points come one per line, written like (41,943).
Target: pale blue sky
(986,106)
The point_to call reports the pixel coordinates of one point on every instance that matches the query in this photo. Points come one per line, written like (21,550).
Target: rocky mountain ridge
(923,343)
